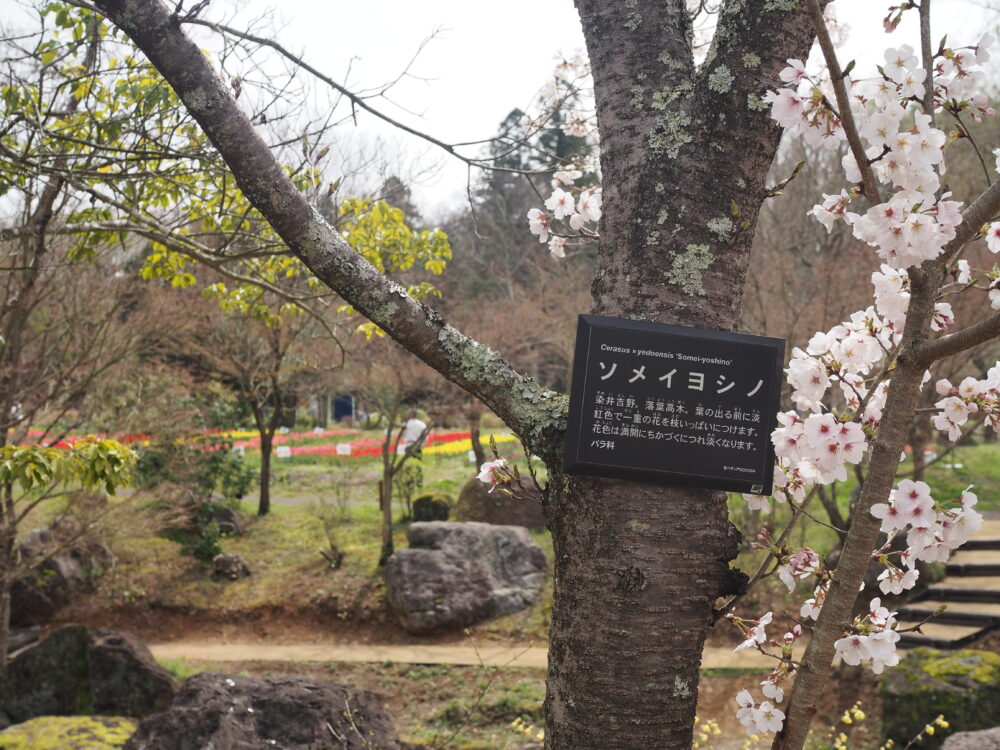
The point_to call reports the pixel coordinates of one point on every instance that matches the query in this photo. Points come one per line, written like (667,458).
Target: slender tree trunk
(475,420)
(385,495)
(855,560)
(8,539)
(385,503)
(266,445)
(918,444)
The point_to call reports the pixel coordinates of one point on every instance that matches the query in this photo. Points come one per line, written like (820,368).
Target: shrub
(432,508)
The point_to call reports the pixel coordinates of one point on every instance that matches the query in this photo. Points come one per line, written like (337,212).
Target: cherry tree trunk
(637,571)
(684,157)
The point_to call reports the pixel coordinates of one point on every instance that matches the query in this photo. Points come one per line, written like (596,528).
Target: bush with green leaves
(204,464)
(194,528)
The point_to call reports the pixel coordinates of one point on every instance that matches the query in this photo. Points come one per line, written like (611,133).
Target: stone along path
(970,591)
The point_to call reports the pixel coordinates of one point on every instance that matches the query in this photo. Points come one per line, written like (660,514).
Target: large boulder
(477,503)
(78,671)
(964,686)
(61,559)
(457,574)
(125,679)
(214,710)
(988,739)
(68,733)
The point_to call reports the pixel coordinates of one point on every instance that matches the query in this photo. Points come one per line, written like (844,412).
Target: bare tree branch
(978,333)
(869,183)
(524,405)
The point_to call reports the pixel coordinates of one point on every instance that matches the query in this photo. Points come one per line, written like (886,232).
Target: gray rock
(214,710)
(230,567)
(988,739)
(228,521)
(457,574)
(477,503)
(76,671)
(66,561)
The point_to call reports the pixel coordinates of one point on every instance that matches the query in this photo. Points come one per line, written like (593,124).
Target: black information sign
(673,404)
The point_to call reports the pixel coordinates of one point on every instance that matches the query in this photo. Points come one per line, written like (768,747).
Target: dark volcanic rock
(457,574)
(214,710)
(76,671)
(477,503)
(431,508)
(125,679)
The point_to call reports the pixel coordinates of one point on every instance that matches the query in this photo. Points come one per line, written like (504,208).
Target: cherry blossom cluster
(575,207)
(753,630)
(913,224)
(971,398)
(933,531)
(765,716)
(819,446)
(811,606)
(565,102)
(801,564)
(904,152)
(872,639)
(892,297)
(816,447)
(796,563)
(570,93)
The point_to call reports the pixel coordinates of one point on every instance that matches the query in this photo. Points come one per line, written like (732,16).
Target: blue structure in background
(343,407)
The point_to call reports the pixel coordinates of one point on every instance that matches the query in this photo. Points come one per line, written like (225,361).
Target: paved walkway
(528,656)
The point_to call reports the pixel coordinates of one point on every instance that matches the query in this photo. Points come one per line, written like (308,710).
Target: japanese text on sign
(675,404)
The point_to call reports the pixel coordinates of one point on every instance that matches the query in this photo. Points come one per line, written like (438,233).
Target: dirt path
(523,656)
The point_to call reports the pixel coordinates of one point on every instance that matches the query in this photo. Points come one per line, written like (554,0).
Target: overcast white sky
(488,58)
(491,57)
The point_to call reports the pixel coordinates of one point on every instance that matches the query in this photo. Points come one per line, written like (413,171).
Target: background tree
(260,350)
(390,384)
